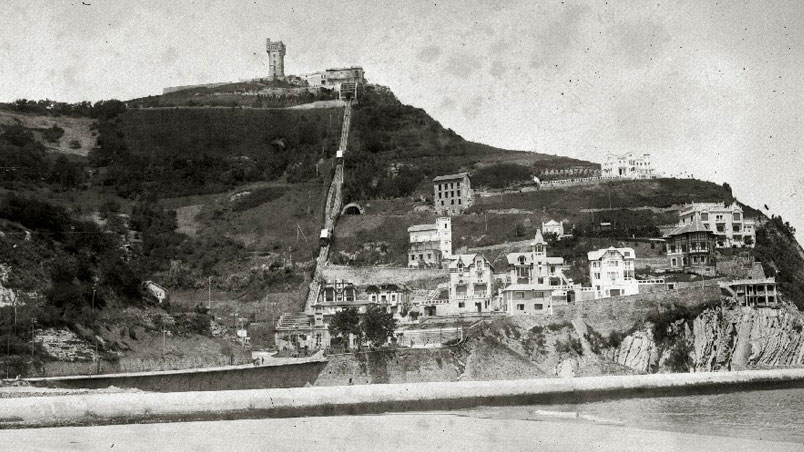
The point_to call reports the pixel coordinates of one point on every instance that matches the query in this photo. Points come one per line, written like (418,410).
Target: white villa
(535,281)
(728,223)
(553,227)
(430,244)
(611,272)
(628,166)
(471,285)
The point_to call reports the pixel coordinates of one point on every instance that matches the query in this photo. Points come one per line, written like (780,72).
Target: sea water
(775,415)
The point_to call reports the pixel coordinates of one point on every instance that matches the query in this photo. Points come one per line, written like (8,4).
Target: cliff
(719,338)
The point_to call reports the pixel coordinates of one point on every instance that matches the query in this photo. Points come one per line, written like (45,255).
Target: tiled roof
(422,227)
(695,226)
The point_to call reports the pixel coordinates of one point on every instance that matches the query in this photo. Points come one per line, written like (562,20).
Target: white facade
(430,244)
(471,285)
(553,227)
(628,166)
(334,78)
(611,272)
(158,292)
(728,223)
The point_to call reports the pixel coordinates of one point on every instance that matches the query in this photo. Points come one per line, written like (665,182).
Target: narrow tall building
(276,58)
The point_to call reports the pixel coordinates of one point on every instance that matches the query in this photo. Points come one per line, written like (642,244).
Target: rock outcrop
(722,338)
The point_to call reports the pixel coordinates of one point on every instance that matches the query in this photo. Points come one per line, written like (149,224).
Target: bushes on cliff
(776,250)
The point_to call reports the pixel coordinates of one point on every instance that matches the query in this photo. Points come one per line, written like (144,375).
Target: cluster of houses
(525,283)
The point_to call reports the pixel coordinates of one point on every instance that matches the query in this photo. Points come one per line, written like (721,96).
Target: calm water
(776,415)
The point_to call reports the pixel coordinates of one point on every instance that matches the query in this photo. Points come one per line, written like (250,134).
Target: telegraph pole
(209,293)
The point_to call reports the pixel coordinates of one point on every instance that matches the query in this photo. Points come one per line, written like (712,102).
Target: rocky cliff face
(722,338)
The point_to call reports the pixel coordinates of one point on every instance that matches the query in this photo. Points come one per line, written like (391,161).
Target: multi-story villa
(628,166)
(471,284)
(310,329)
(452,193)
(728,223)
(535,282)
(691,248)
(430,243)
(611,271)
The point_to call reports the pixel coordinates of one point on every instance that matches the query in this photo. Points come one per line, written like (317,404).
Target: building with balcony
(471,285)
(536,267)
(611,272)
(628,166)
(430,244)
(452,193)
(728,223)
(691,248)
(751,292)
(310,330)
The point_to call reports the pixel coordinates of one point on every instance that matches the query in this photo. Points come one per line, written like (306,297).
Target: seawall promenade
(120,408)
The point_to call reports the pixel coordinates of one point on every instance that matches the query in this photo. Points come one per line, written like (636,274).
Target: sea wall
(107,408)
(212,379)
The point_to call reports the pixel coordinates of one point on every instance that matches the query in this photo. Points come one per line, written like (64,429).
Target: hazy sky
(710,88)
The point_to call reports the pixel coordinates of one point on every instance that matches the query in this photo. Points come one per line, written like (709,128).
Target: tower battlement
(276,58)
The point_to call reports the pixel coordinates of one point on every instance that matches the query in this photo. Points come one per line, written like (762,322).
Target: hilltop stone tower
(276,58)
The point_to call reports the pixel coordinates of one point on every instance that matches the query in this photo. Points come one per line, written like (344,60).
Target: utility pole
(95,357)
(209,293)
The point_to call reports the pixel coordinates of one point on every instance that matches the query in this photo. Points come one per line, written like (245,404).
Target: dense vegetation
(395,150)
(501,175)
(780,254)
(182,152)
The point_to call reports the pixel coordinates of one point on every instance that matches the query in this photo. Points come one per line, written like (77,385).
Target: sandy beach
(401,432)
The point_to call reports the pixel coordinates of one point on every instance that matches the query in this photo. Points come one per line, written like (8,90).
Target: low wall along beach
(349,400)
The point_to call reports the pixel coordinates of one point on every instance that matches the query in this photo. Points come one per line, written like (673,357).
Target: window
(597,275)
(413,257)
(383,298)
(461,304)
(683,247)
(393,297)
(538,306)
(737,216)
(429,256)
(459,201)
(541,280)
(373,298)
(704,216)
(519,295)
(520,307)
(452,202)
(442,203)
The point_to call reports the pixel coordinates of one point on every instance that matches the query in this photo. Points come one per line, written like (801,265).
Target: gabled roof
(695,226)
(555,260)
(467,259)
(552,223)
(513,258)
(597,254)
(539,239)
(451,177)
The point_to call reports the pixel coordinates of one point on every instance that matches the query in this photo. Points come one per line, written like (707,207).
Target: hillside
(226,204)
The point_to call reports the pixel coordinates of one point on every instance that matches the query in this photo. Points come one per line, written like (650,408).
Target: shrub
(501,175)
(570,345)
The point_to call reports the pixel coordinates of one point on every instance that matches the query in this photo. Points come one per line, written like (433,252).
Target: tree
(378,326)
(346,322)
